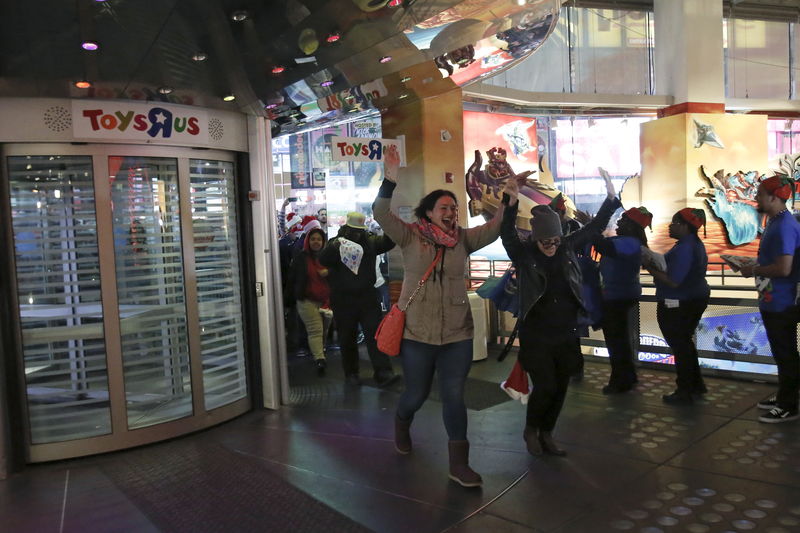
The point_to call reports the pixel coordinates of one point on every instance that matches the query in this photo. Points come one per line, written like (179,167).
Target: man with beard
(777,274)
(350,258)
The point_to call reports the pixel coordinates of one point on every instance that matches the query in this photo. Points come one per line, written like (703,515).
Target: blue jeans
(452,362)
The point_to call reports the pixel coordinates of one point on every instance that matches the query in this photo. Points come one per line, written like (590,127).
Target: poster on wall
(318,177)
(299,162)
(321,151)
(516,135)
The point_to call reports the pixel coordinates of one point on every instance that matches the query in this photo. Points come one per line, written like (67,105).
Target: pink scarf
(437,235)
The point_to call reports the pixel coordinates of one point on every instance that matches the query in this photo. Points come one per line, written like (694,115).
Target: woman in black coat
(549,285)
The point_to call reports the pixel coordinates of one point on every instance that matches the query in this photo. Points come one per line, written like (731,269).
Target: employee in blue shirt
(620,264)
(777,275)
(682,293)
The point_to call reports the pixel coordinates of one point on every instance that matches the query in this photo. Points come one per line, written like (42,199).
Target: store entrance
(126,294)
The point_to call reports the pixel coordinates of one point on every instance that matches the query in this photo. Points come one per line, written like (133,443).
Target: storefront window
(757,60)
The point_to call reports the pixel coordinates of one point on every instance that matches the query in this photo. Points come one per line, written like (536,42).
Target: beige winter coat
(440,313)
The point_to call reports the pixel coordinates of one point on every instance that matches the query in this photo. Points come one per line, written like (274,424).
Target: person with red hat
(682,293)
(777,274)
(620,264)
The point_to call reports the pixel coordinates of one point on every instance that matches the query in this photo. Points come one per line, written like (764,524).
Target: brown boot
(548,444)
(532,441)
(460,472)
(402,435)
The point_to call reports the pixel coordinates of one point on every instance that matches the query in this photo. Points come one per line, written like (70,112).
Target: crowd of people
(340,275)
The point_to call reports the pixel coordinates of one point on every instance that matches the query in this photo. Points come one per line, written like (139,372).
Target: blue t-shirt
(619,268)
(781,237)
(686,266)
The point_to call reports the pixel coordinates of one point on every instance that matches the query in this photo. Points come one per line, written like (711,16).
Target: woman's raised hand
(391,163)
(610,191)
(512,189)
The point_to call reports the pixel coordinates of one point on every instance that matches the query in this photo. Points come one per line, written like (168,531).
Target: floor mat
(186,486)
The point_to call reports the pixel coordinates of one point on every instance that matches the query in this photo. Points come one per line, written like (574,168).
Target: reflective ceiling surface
(150,49)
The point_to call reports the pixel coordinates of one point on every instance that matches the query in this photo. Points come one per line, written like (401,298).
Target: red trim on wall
(691,107)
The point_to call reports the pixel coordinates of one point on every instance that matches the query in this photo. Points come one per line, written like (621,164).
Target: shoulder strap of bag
(425,277)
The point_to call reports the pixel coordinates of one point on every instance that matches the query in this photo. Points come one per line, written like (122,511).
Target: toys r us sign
(365,149)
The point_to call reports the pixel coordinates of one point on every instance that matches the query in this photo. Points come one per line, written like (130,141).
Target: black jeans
(782,334)
(349,310)
(678,325)
(549,361)
(621,334)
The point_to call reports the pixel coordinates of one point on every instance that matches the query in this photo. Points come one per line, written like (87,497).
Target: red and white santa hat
(293,222)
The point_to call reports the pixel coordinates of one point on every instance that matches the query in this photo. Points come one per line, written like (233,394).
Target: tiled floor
(327,463)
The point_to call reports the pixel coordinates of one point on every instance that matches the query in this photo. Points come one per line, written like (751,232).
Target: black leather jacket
(531,279)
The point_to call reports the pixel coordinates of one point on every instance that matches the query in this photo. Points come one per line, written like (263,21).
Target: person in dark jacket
(682,293)
(549,285)
(312,294)
(620,265)
(350,258)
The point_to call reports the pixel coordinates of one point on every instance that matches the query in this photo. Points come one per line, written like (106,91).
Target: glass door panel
(216,251)
(150,288)
(58,289)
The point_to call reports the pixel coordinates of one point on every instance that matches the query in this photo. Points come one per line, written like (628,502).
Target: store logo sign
(127,121)
(364,150)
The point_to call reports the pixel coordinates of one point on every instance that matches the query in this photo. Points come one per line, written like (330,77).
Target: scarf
(437,235)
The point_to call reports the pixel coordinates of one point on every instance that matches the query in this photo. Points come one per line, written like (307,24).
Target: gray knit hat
(546,224)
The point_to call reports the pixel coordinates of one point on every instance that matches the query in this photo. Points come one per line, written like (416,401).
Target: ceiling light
(326,83)
(83,84)
(240,15)
(333,37)
(270,106)
(278,69)
(404,95)
(521,2)
(165,90)
(405,79)
(395,3)
(354,110)
(229,98)
(91,46)
(385,59)
(199,56)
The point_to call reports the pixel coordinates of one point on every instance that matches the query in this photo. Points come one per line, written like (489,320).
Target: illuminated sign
(132,121)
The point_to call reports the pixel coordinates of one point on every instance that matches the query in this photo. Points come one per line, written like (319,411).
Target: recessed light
(270,106)
(404,95)
(385,59)
(165,90)
(405,79)
(278,69)
(229,98)
(354,110)
(83,84)
(333,37)
(199,56)
(240,15)
(395,3)
(326,83)
(91,46)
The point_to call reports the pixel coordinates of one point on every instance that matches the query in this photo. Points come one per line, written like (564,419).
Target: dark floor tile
(670,499)
(483,522)
(751,450)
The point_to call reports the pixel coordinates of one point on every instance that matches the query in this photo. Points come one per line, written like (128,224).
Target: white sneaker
(778,415)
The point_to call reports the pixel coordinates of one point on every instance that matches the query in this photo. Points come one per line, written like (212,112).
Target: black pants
(349,310)
(549,361)
(678,325)
(621,334)
(782,334)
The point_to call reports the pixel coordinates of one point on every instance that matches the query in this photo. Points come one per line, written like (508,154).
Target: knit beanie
(779,185)
(546,224)
(641,216)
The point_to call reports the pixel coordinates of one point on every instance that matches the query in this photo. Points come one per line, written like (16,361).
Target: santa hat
(293,222)
(516,385)
(304,224)
(695,217)
(311,224)
(641,216)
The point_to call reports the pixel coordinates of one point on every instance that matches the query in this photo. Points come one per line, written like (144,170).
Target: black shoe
(548,444)
(322,364)
(352,380)
(384,379)
(769,404)
(614,388)
(778,415)
(678,397)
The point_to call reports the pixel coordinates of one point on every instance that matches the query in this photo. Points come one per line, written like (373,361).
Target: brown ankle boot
(460,472)
(402,435)
(548,444)
(532,441)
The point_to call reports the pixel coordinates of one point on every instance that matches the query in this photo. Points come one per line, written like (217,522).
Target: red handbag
(389,334)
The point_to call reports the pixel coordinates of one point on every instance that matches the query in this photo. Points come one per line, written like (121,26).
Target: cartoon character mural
(484,188)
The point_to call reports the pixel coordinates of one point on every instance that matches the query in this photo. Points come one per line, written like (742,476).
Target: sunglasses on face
(547,243)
